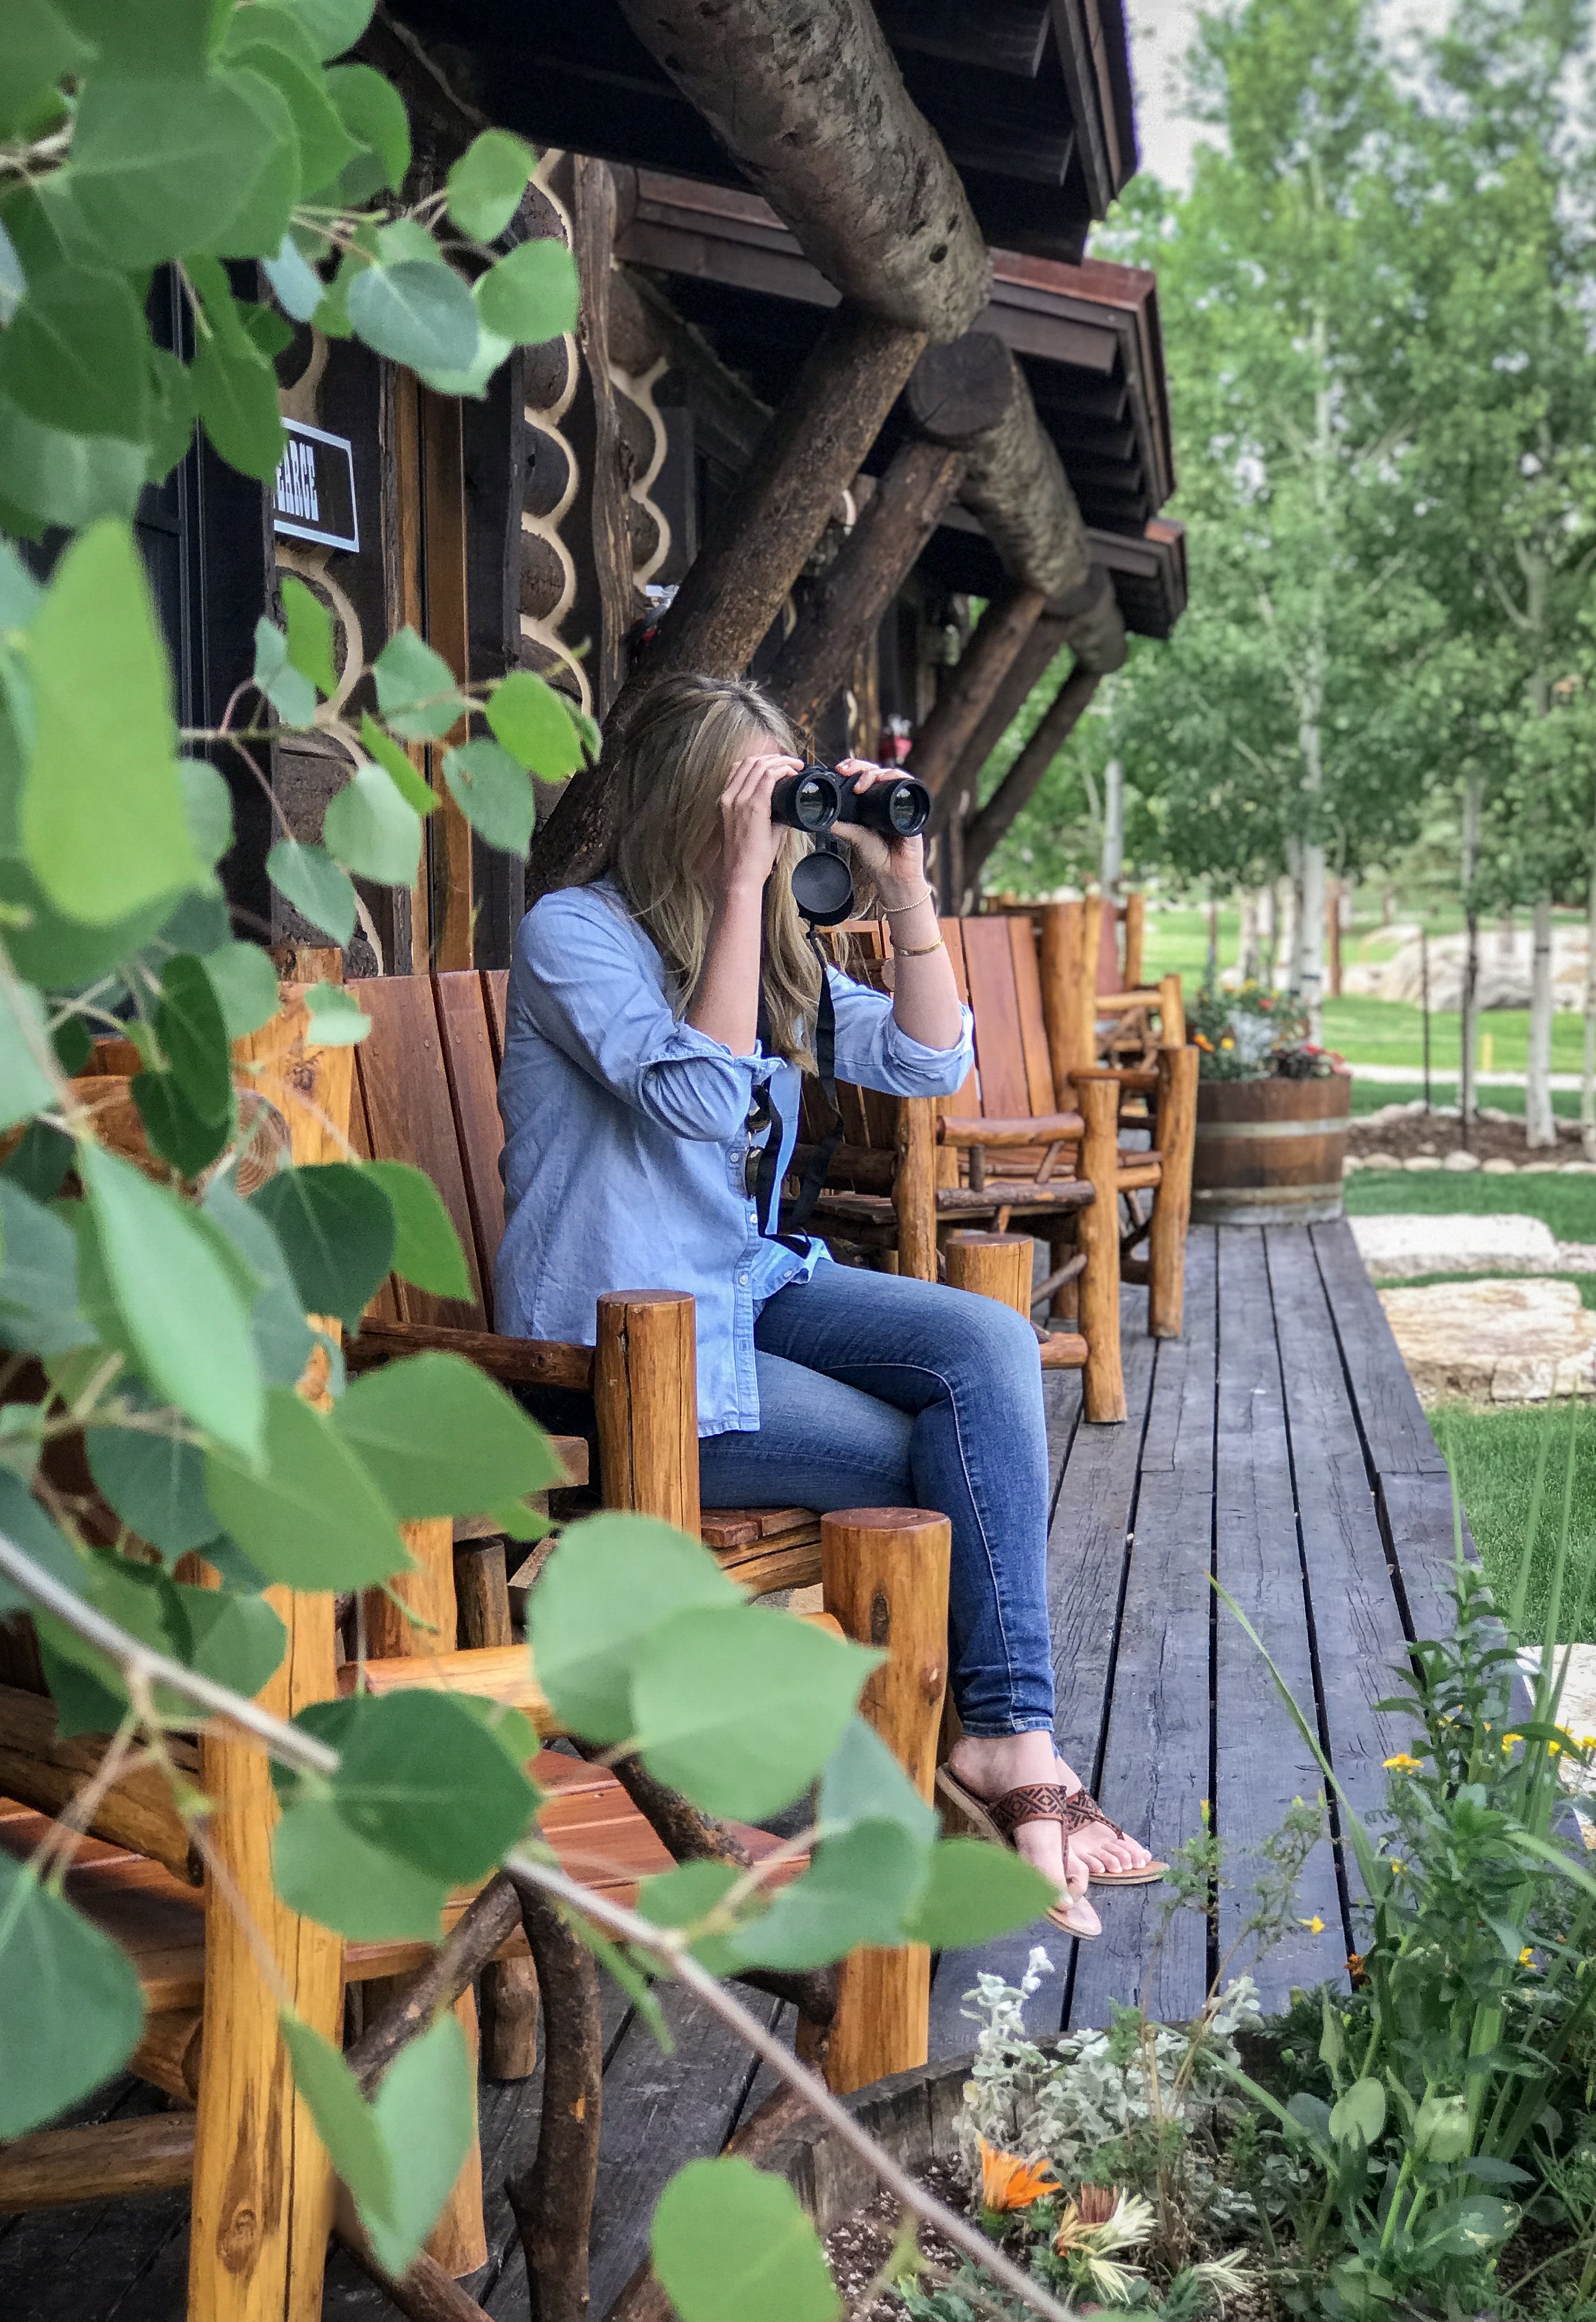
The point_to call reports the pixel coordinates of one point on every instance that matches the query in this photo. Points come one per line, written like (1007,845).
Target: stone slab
(1495,1341)
(1392,1246)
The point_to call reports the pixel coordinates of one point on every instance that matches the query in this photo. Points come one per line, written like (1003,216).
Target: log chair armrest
(518,1362)
(1039,1128)
(1136,1080)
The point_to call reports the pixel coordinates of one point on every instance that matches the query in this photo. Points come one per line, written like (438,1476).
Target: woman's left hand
(897,865)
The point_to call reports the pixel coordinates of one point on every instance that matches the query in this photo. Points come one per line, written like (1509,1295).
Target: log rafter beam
(983,831)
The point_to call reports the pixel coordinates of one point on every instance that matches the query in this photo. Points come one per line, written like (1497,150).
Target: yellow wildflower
(1398,1866)
(1316,1925)
(1402,1763)
(1526,1955)
(1508,1741)
(1009,2183)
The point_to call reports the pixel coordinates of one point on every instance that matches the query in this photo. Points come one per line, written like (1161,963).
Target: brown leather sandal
(1081,1811)
(996,1820)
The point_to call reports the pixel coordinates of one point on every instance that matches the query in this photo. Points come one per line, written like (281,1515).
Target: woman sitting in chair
(660,1017)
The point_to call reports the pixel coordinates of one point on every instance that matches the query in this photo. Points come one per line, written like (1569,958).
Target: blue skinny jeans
(877,1391)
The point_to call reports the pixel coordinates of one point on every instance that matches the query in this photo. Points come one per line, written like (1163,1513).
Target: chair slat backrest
(999,1050)
(496,984)
(1033,1023)
(409,1116)
(473,1085)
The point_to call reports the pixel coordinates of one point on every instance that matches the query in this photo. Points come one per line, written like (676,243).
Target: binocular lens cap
(823,888)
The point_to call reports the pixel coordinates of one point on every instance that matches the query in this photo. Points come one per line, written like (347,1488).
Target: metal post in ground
(1424,999)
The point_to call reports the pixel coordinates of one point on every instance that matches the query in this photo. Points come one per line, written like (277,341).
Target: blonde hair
(670,759)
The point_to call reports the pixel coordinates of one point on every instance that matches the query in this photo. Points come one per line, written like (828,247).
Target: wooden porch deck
(1278,1446)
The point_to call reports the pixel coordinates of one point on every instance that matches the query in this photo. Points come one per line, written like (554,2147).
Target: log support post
(1171,1203)
(646,1399)
(1066,995)
(968,694)
(981,834)
(1098,1227)
(914,1187)
(994,1264)
(884,1574)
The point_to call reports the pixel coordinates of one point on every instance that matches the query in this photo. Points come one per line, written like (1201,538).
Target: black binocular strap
(766,1113)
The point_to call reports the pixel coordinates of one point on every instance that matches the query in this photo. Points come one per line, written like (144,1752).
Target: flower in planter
(1097,2223)
(1007,2181)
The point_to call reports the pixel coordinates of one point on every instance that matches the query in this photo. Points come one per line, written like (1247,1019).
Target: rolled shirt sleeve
(873,1051)
(585,996)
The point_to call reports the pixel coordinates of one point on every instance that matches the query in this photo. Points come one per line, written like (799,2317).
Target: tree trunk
(1541,1127)
(1250,916)
(1267,932)
(808,99)
(1310,922)
(1290,918)
(1588,1073)
(1468,1097)
(1113,857)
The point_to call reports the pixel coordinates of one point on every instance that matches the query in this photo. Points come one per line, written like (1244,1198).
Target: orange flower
(1007,2183)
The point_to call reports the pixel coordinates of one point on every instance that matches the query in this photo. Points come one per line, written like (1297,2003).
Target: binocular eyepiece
(818,797)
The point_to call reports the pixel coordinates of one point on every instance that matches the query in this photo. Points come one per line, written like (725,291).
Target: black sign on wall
(314,495)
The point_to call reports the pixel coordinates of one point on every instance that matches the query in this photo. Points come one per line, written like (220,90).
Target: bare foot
(1016,1761)
(1095,1852)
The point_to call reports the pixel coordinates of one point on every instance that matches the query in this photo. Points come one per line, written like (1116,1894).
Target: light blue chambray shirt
(626,1140)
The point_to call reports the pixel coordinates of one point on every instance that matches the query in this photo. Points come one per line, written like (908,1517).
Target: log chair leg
(552,2200)
(914,1187)
(1099,1228)
(645,1399)
(263,2185)
(993,1265)
(885,1577)
(428,1590)
(1171,1203)
(509,2019)
(1062,1247)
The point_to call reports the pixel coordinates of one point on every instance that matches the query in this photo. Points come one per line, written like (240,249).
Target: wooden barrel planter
(1269,1153)
(914,2116)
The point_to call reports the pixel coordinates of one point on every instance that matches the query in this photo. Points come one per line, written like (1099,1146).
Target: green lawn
(1568,1204)
(1368,1096)
(1493,1455)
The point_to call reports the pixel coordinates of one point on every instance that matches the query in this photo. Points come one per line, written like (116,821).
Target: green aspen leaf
(373,112)
(608,1586)
(155,1483)
(169,36)
(207,809)
(371,830)
(13,283)
(729,2241)
(103,824)
(417,691)
(245,982)
(334,25)
(296,281)
(61,954)
(324,1869)
(418,314)
(290,692)
(24,1083)
(530,295)
(345,2122)
(145,198)
(193,1034)
(423,1777)
(281,1337)
(740,1710)
(858,1890)
(1359,2114)
(268,332)
(491,351)
(534,723)
(310,634)
(427,1250)
(52,478)
(35,1167)
(315,886)
(235,388)
(172,413)
(976,1892)
(863,1781)
(74,1045)
(256,40)
(426,2115)
(406,237)
(487,183)
(70,2007)
(257,226)
(440,1438)
(39,1278)
(74,354)
(336,1227)
(337,1019)
(26,1526)
(21,595)
(176,1133)
(236,1639)
(493,793)
(313,1518)
(177,1304)
(684,1896)
(40,48)
(388,755)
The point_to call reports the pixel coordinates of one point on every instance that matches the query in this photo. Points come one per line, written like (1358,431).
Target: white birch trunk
(1251,914)
(1311,922)
(1112,856)
(1290,970)
(1541,1127)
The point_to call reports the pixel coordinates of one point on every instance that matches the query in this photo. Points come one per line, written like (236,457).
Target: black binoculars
(819,796)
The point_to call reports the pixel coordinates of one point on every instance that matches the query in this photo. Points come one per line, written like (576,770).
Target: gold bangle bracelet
(896,910)
(917,951)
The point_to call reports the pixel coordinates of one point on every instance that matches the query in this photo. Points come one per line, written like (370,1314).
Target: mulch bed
(1412,1135)
(860,2246)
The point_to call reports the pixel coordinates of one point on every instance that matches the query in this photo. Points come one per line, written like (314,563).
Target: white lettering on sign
(297,483)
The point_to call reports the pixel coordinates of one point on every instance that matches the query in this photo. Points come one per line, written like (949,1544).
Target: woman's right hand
(749,841)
